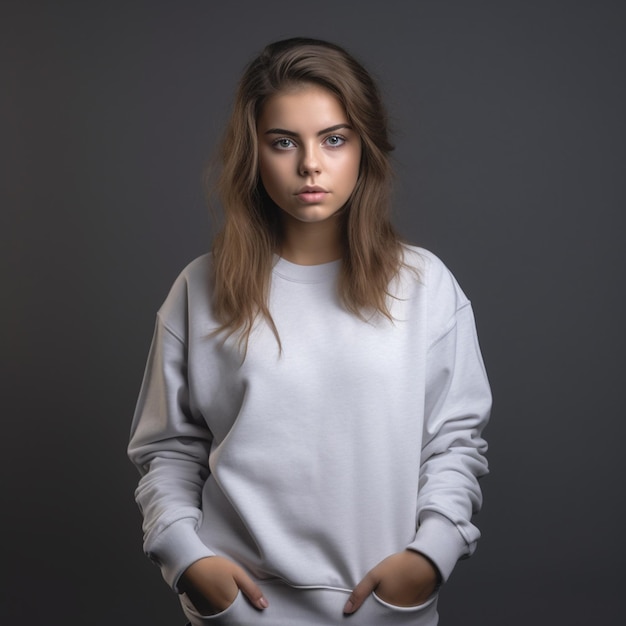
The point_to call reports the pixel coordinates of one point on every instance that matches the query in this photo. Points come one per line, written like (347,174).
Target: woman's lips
(311,196)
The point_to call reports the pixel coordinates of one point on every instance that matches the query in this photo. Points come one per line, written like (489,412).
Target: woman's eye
(284,143)
(335,140)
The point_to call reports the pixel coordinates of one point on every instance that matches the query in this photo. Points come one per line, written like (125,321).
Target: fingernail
(349,607)
(263,602)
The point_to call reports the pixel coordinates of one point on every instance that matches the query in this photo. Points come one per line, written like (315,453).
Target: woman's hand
(212,584)
(404,579)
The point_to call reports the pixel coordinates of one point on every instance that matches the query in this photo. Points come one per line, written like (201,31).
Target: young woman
(308,432)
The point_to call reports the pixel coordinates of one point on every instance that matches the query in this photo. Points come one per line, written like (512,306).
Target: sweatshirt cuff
(439,539)
(176,548)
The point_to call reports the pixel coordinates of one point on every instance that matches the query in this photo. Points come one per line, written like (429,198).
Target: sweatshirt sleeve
(169,445)
(457,408)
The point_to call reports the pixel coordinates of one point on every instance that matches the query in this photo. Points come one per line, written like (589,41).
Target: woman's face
(309,155)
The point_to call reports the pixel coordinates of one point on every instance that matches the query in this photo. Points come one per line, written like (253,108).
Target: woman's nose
(309,162)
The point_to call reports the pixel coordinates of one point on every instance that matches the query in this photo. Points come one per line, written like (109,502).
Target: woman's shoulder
(197,270)
(424,263)
(190,291)
(433,275)
(194,277)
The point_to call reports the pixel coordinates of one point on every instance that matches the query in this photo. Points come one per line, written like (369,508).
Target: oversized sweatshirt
(310,464)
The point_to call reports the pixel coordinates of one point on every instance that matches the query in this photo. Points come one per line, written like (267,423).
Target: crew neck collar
(305,273)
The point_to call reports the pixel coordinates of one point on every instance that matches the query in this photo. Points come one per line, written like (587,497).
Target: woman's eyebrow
(290,133)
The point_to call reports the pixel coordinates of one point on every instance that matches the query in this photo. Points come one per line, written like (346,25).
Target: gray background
(510,130)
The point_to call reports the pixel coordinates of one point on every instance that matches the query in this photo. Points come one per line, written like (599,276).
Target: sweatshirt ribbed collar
(306,273)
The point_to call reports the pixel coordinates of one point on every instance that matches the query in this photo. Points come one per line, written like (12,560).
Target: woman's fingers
(212,585)
(361,591)
(405,579)
(250,589)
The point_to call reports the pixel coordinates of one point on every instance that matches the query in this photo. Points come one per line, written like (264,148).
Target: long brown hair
(243,249)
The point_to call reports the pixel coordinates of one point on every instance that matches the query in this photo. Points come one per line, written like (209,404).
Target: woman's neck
(306,243)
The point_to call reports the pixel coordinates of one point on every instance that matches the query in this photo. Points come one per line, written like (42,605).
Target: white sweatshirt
(309,467)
